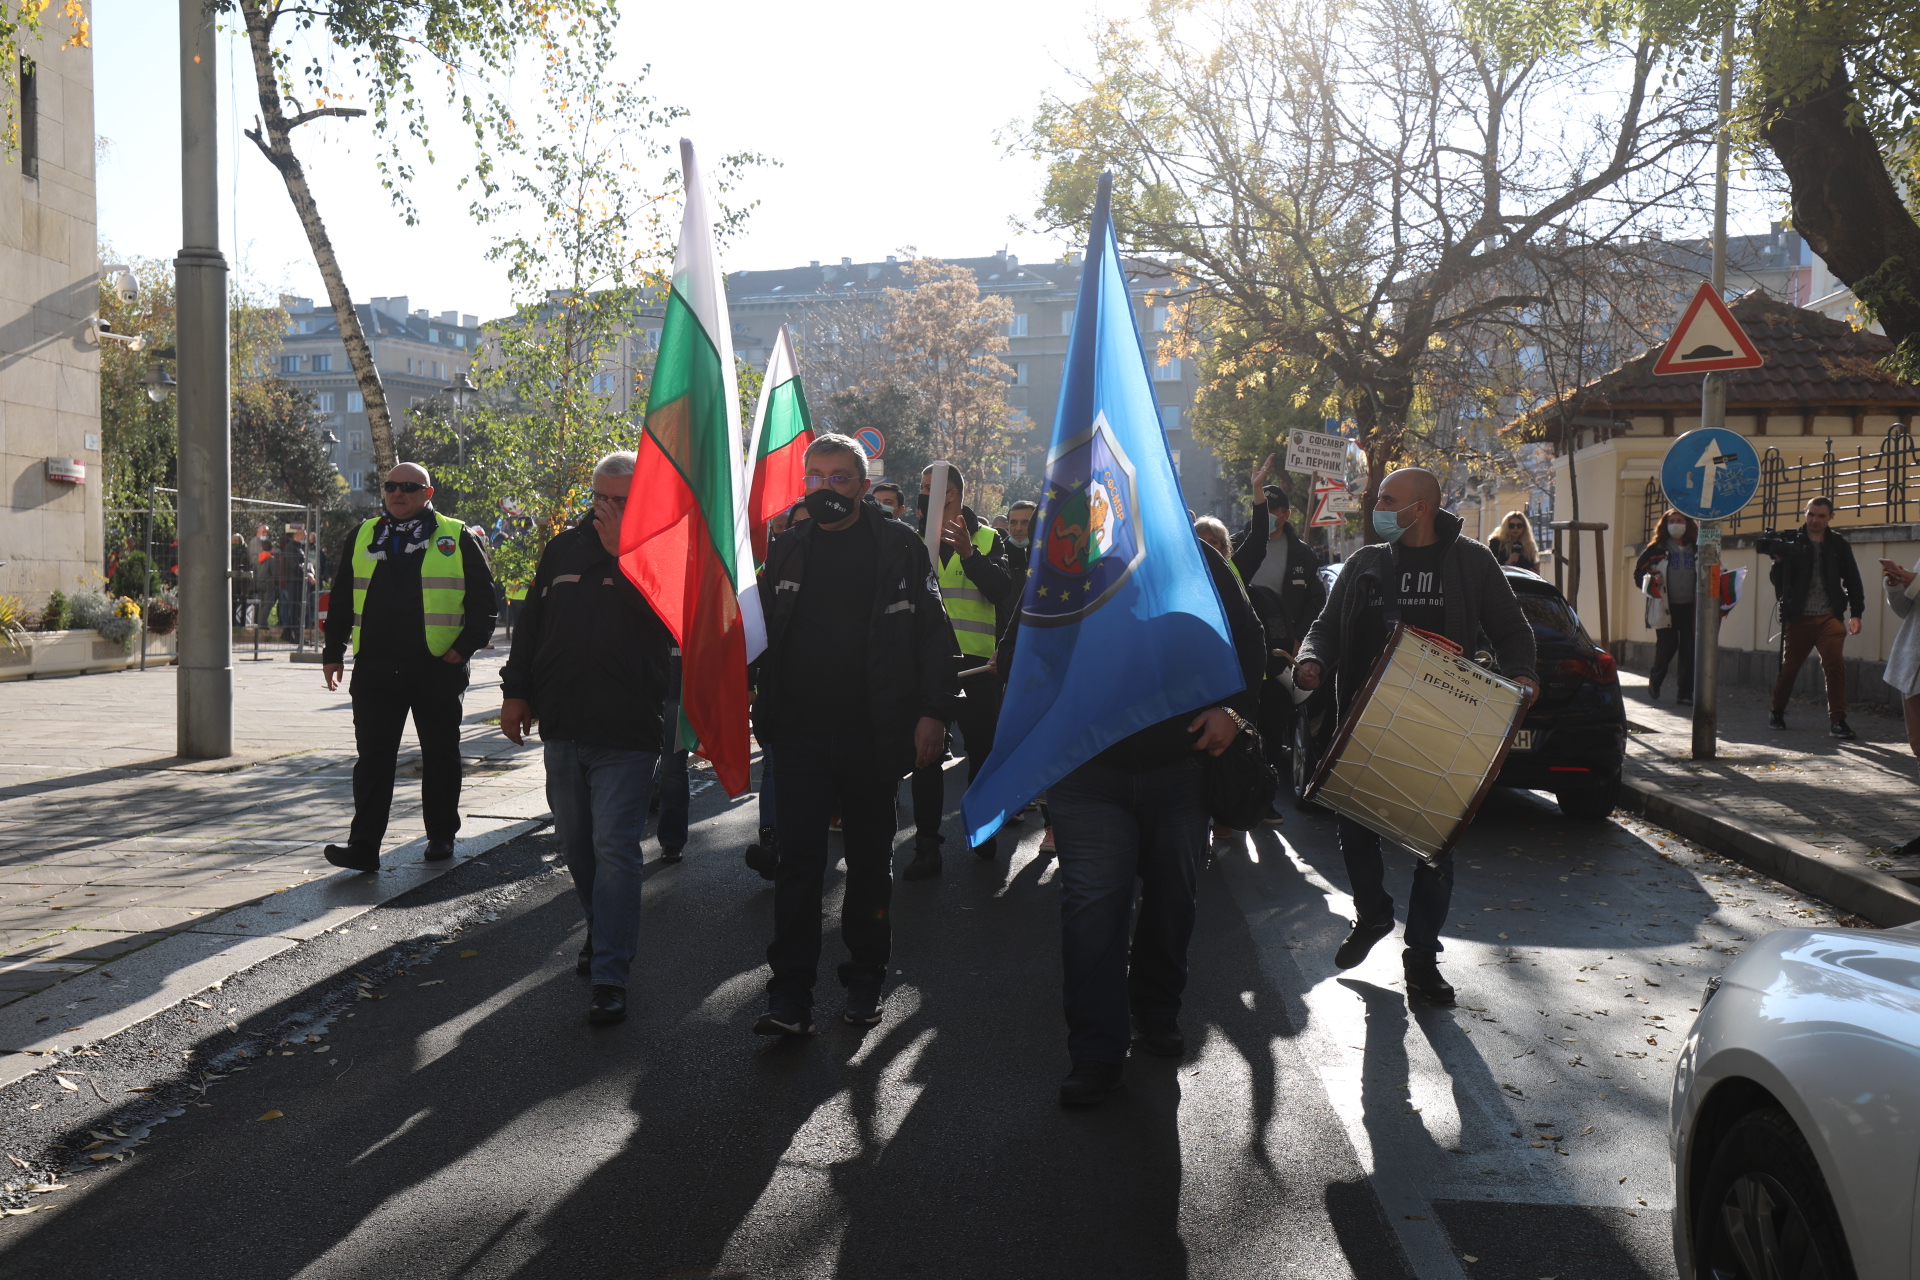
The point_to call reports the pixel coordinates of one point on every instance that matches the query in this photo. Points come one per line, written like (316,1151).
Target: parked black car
(1574,738)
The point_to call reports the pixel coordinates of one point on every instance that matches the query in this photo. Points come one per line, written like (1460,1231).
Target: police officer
(975,585)
(422,602)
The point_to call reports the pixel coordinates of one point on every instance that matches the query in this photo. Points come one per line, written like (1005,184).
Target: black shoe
(1360,941)
(1776,719)
(1091,1083)
(1161,1039)
(1424,980)
(583,963)
(863,1004)
(609,1004)
(670,852)
(1842,730)
(1653,686)
(784,1020)
(1911,849)
(990,850)
(353,857)
(437,851)
(764,854)
(926,858)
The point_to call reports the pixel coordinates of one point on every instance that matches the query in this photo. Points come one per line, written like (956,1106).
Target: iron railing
(1866,488)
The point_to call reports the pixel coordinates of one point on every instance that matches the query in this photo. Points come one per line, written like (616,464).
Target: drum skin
(1421,744)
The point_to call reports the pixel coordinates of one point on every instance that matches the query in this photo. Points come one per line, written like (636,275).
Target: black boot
(609,1004)
(353,857)
(1359,941)
(764,854)
(1424,980)
(926,858)
(1090,1083)
(1654,680)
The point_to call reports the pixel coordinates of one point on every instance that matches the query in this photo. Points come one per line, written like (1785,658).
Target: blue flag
(1121,626)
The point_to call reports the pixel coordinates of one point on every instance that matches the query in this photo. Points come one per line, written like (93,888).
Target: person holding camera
(1816,578)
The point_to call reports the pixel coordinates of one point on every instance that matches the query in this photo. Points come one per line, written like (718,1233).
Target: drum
(1421,744)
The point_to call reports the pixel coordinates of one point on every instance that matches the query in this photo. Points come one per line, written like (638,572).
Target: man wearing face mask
(855,689)
(978,592)
(892,499)
(590,663)
(421,596)
(1423,574)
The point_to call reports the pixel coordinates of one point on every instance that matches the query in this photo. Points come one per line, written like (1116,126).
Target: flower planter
(70,653)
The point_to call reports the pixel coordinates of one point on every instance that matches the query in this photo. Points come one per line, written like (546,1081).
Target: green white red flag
(782,430)
(684,541)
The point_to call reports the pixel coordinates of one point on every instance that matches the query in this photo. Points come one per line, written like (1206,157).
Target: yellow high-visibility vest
(443,582)
(972,615)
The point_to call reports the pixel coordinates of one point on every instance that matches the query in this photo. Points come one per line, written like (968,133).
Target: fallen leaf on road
(436,982)
(66,1084)
(468,955)
(275,1114)
(1467,1257)
(15,1213)
(200,1003)
(141,1088)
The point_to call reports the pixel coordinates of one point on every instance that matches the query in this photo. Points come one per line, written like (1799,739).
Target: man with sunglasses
(855,689)
(591,662)
(422,602)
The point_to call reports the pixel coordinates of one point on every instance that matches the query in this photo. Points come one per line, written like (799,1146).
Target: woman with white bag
(1666,574)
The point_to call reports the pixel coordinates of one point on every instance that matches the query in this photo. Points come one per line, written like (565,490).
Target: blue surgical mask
(1387,525)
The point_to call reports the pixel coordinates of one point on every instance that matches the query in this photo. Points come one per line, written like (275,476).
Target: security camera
(125,287)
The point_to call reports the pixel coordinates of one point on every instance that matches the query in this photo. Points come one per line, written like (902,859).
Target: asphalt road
(440,1109)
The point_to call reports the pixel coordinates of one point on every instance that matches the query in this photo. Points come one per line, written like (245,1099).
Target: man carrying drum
(1425,575)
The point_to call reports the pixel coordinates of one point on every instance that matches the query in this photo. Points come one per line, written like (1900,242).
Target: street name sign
(1708,339)
(1710,474)
(1316,454)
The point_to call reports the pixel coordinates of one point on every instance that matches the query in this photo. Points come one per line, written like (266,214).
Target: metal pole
(204,685)
(146,599)
(1713,413)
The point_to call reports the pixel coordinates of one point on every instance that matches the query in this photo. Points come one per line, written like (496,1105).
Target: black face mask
(920,504)
(829,506)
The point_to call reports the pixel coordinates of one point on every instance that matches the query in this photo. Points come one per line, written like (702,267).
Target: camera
(1771,542)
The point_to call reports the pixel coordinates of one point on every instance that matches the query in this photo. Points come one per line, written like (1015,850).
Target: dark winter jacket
(1500,549)
(589,652)
(912,658)
(1288,612)
(1478,600)
(1792,574)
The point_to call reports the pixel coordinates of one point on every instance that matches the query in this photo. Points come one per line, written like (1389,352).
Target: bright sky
(883,116)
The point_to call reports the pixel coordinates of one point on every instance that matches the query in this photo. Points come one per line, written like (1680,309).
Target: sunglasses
(403,486)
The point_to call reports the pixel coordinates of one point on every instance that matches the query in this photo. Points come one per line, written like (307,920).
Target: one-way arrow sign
(1708,339)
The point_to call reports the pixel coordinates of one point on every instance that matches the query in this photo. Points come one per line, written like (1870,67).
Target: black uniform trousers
(384,694)
(979,712)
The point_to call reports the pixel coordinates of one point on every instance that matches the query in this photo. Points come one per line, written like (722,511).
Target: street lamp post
(204,683)
(460,390)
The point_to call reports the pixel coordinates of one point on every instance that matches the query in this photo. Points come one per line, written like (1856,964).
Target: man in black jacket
(413,596)
(1818,581)
(855,689)
(590,664)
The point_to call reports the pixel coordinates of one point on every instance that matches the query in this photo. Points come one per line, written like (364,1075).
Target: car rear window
(1553,622)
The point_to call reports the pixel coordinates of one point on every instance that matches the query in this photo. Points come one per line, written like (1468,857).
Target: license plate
(1523,740)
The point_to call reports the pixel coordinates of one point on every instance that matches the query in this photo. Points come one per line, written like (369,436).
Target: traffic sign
(1711,473)
(1708,339)
(1316,454)
(871,440)
(1330,504)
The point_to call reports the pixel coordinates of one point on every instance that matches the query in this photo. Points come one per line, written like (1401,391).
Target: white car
(1795,1126)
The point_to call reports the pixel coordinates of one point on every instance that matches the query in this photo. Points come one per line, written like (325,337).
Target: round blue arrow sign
(1710,474)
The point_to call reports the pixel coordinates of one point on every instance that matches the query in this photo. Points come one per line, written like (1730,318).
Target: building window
(1156,319)
(357,441)
(439,370)
(1176,462)
(1169,417)
(323,364)
(415,401)
(324,402)
(433,335)
(1168,370)
(603,384)
(1066,320)
(29,118)
(1018,465)
(1017,327)
(356,403)
(1020,373)
(289,364)
(459,339)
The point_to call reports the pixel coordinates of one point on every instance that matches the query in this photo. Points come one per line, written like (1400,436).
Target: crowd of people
(875,655)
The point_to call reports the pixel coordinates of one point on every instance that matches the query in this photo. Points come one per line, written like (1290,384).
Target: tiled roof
(994,274)
(1812,363)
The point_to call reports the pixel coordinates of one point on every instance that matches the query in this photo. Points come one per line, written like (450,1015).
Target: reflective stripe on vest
(1236,576)
(443,583)
(973,618)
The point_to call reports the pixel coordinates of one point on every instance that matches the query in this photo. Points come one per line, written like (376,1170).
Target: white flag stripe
(782,368)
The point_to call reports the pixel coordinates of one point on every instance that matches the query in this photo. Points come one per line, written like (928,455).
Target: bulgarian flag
(781,433)
(684,540)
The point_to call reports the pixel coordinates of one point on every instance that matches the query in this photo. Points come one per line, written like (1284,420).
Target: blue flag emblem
(1121,627)
(1091,532)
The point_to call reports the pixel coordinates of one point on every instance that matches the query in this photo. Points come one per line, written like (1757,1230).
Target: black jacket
(1288,612)
(589,652)
(396,629)
(1500,549)
(912,659)
(1792,574)
(1250,544)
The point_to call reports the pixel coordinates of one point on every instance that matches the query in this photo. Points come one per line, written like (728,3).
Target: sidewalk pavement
(113,850)
(1818,813)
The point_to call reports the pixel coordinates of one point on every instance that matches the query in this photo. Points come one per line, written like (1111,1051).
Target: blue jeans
(599,798)
(1366,880)
(1113,827)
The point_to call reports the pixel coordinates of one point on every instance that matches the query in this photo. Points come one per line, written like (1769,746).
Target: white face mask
(1676,531)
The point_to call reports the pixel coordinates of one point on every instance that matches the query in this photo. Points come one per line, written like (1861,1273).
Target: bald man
(413,598)
(1424,574)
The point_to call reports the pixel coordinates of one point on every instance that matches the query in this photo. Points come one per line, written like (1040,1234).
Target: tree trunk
(1846,206)
(273,135)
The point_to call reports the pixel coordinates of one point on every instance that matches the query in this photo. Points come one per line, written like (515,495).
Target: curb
(1831,877)
(188,963)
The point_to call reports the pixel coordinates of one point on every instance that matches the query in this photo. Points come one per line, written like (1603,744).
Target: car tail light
(1599,667)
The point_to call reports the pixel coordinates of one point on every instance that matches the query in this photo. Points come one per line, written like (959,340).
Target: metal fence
(1866,488)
